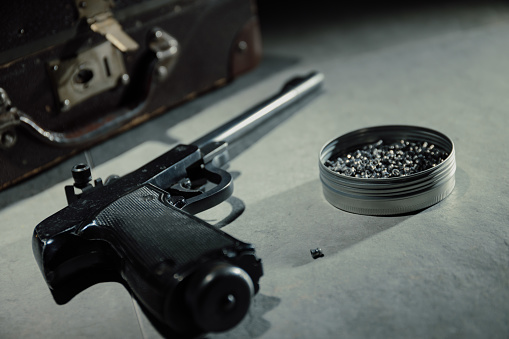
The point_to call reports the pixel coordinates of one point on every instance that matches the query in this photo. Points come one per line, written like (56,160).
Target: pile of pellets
(388,161)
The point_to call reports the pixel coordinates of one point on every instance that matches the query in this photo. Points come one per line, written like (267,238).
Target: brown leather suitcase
(73,73)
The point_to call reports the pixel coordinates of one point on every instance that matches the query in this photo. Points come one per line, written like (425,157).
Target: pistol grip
(181,269)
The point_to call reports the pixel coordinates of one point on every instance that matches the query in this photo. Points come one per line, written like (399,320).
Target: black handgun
(189,277)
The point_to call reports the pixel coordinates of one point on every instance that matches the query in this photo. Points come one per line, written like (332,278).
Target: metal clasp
(100,19)
(91,72)
(8,120)
(166,49)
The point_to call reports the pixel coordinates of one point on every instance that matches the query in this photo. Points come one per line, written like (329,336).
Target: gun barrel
(292,92)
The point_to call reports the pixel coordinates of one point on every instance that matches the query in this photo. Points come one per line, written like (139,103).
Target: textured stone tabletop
(439,273)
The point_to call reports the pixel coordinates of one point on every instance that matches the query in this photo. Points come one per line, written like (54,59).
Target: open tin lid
(389,195)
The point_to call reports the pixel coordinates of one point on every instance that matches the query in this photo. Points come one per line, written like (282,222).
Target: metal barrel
(294,90)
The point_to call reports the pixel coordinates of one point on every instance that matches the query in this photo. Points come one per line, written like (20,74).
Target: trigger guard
(208,199)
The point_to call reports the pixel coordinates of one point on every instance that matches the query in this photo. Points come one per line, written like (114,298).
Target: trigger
(222,190)
(185,188)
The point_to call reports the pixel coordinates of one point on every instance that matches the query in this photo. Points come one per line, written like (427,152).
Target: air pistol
(188,276)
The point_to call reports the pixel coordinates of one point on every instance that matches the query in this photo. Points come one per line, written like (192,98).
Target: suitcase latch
(100,19)
(91,72)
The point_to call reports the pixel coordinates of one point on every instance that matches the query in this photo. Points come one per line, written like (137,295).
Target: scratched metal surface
(439,273)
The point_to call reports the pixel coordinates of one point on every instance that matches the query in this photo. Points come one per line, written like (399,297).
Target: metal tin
(387,196)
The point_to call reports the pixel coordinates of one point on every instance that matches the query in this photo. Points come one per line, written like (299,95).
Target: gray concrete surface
(439,273)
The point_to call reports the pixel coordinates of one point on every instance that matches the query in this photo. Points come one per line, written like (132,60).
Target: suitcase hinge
(100,19)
